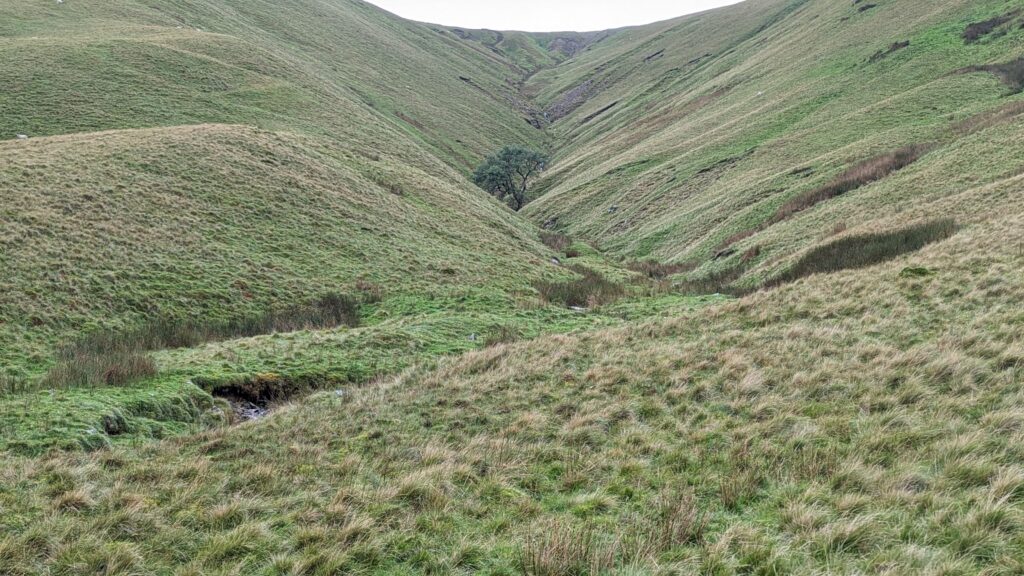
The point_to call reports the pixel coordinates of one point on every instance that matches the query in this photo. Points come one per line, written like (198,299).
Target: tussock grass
(655,270)
(988,119)
(558,242)
(766,435)
(589,290)
(860,175)
(861,250)
(502,335)
(567,551)
(737,237)
(718,282)
(98,367)
(865,422)
(117,358)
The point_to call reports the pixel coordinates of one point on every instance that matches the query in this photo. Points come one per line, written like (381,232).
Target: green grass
(804,429)
(197,164)
(219,223)
(859,251)
(74,419)
(705,142)
(399,333)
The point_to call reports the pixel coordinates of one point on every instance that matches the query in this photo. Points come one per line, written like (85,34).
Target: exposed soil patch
(1010,73)
(571,100)
(698,59)
(978,30)
(599,112)
(883,54)
(244,410)
(723,165)
(253,397)
(654,56)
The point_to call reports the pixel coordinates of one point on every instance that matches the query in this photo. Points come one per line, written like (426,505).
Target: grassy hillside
(228,157)
(216,222)
(854,423)
(685,139)
(532,51)
(226,208)
(319,67)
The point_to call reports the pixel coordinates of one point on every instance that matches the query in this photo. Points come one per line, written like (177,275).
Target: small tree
(506,174)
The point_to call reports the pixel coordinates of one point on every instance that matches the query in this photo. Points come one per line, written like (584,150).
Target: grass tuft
(991,118)
(566,550)
(558,242)
(859,251)
(716,283)
(113,358)
(860,175)
(658,270)
(588,291)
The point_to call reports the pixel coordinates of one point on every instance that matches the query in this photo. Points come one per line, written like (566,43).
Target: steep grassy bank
(343,68)
(690,141)
(219,222)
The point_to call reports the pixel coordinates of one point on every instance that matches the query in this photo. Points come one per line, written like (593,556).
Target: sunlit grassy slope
(692,132)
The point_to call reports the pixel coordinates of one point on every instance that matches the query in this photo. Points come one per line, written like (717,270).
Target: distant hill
(683,140)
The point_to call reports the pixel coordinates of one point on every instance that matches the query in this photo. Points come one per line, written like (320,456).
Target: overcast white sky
(545,15)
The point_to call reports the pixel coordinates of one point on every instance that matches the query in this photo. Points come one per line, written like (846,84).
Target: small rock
(472,337)
(22,136)
(577,309)
(339,393)
(556,261)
